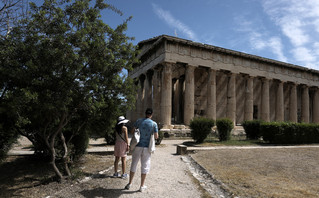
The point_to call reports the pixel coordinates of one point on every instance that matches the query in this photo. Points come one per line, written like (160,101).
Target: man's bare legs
(131,177)
(143,177)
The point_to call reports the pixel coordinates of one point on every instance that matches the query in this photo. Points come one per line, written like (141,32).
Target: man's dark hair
(149,111)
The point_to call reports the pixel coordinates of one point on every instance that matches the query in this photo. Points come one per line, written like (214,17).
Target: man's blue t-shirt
(147,127)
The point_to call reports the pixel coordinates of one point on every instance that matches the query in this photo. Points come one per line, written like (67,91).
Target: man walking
(147,127)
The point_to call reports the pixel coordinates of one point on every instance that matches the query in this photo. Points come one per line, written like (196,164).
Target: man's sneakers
(143,188)
(128,186)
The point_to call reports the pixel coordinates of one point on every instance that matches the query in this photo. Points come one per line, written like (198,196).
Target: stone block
(181,150)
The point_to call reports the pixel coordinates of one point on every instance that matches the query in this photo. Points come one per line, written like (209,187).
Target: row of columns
(156,92)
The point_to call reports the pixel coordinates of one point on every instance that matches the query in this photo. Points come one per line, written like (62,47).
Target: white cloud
(294,31)
(303,54)
(174,23)
(262,42)
(298,20)
(276,45)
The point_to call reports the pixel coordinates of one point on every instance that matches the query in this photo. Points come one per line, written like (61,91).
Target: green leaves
(65,61)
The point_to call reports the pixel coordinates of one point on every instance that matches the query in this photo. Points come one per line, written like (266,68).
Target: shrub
(200,128)
(160,138)
(290,133)
(252,129)
(8,134)
(270,131)
(224,127)
(80,143)
(110,137)
(6,142)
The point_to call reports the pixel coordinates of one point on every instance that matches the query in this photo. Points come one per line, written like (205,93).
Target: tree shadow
(103,192)
(23,172)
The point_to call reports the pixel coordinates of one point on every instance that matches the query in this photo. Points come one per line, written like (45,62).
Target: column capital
(304,86)
(232,74)
(292,83)
(190,67)
(279,81)
(263,79)
(247,76)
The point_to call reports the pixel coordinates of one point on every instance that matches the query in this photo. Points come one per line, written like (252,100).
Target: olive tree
(63,74)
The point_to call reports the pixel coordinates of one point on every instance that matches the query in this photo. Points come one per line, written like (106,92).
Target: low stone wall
(176,133)
(185,132)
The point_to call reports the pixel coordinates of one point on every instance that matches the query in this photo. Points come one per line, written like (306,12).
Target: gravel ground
(169,177)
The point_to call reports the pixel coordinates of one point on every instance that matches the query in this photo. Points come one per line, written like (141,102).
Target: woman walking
(121,146)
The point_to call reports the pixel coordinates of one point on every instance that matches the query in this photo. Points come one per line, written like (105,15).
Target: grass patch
(212,140)
(233,143)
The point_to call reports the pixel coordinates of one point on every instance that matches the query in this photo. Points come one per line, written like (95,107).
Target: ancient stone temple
(181,79)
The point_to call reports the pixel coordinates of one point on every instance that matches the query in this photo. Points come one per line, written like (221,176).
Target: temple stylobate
(181,79)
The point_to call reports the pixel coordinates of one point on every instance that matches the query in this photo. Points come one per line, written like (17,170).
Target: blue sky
(284,30)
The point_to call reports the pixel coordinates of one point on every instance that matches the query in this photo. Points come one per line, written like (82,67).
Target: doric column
(166,95)
(211,94)
(156,101)
(305,104)
(231,97)
(132,114)
(189,94)
(148,89)
(293,103)
(178,89)
(265,115)
(140,102)
(315,116)
(249,102)
(280,102)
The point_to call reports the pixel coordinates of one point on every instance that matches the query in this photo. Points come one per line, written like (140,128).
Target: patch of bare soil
(23,176)
(267,172)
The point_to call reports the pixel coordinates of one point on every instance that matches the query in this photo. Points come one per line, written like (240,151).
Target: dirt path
(169,177)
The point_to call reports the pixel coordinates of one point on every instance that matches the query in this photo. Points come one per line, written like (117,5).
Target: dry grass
(25,177)
(265,172)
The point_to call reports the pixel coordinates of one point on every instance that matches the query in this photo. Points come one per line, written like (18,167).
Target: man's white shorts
(145,156)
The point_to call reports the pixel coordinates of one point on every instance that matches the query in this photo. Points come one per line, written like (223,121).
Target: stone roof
(153,42)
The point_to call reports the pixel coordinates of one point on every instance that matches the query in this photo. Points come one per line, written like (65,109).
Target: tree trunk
(52,162)
(50,144)
(65,156)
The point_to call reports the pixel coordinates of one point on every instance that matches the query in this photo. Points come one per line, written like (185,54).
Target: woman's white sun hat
(121,120)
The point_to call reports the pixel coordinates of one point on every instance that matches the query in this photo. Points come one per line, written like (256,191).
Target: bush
(290,133)
(6,142)
(200,128)
(80,143)
(270,130)
(160,138)
(110,137)
(252,129)
(8,134)
(224,127)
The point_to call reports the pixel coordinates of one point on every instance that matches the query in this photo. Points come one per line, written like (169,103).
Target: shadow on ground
(104,192)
